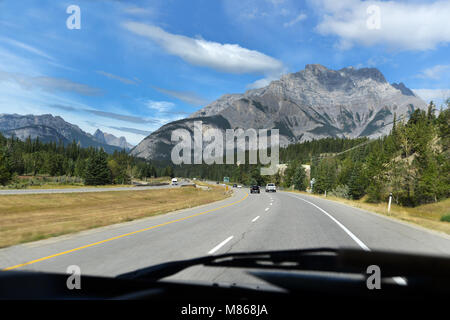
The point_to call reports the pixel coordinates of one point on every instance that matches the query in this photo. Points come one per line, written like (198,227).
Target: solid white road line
(267,209)
(398,280)
(255,219)
(220,245)
(355,238)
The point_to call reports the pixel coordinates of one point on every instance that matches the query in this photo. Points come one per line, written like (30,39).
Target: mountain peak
(316,68)
(313,103)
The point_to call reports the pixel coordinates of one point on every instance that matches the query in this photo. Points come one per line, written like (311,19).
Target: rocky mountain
(112,140)
(313,103)
(49,128)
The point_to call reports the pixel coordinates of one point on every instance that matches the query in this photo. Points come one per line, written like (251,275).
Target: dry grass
(25,218)
(69,186)
(427,215)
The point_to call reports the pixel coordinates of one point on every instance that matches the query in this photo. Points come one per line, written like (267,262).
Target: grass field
(428,215)
(66,186)
(25,218)
(47,182)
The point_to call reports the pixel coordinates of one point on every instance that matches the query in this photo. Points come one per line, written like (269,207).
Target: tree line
(412,162)
(94,166)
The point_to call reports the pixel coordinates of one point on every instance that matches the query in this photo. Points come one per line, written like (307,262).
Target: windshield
(134,133)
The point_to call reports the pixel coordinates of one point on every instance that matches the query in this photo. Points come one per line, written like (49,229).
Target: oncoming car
(270,187)
(254,189)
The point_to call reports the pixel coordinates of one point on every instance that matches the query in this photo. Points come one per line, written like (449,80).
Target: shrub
(341,191)
(445,218)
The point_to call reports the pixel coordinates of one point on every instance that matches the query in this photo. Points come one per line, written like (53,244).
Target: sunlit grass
(25,218)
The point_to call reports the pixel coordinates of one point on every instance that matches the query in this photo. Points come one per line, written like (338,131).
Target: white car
(174,181)
(270,187)
(239,186)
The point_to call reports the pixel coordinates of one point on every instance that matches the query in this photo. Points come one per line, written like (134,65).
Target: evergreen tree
(357,182)
(97,171)
(299,179)
(5,175)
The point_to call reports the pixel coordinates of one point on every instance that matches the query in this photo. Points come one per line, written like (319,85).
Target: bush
(445,218)
(341,191)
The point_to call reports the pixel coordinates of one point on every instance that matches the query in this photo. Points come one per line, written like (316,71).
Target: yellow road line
(122,236)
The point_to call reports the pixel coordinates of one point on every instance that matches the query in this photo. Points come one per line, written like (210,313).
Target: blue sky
(136,65)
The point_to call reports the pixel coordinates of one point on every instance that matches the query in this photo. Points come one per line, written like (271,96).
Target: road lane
(293,221)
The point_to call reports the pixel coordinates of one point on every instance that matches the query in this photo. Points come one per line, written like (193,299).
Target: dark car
(254,189)
(235,185)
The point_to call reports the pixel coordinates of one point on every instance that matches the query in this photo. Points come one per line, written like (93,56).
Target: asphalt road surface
(243,222)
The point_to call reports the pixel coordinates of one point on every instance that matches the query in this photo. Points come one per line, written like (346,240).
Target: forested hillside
(91,165)
(412,162)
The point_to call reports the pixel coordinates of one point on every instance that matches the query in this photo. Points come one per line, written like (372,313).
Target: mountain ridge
(313,103)
(50,128)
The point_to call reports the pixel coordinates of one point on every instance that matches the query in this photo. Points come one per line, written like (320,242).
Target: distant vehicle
(174,181)
(239,186)
(235,185)
(254,189)
(270,187)
(217,182)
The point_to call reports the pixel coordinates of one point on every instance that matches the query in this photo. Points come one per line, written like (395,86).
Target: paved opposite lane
(274,221)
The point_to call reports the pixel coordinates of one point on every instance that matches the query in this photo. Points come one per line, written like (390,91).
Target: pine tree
(97,171)
(5,175)
(357,182)
(299,178)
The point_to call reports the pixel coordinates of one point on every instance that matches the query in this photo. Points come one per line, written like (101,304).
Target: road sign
(226,179)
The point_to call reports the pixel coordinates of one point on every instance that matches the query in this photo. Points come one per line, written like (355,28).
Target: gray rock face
(313,103)
(48,128)
(112,140)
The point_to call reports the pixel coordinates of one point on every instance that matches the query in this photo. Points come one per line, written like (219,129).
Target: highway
(243,222)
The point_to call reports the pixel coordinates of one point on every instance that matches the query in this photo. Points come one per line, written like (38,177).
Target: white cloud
(434,72)
(113,76)
(26,47)
(230,58)
(403,26)
(160,106)
(294,21)
(437,95)
(48,84)
(188,97)
(139,11)
(264,82)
